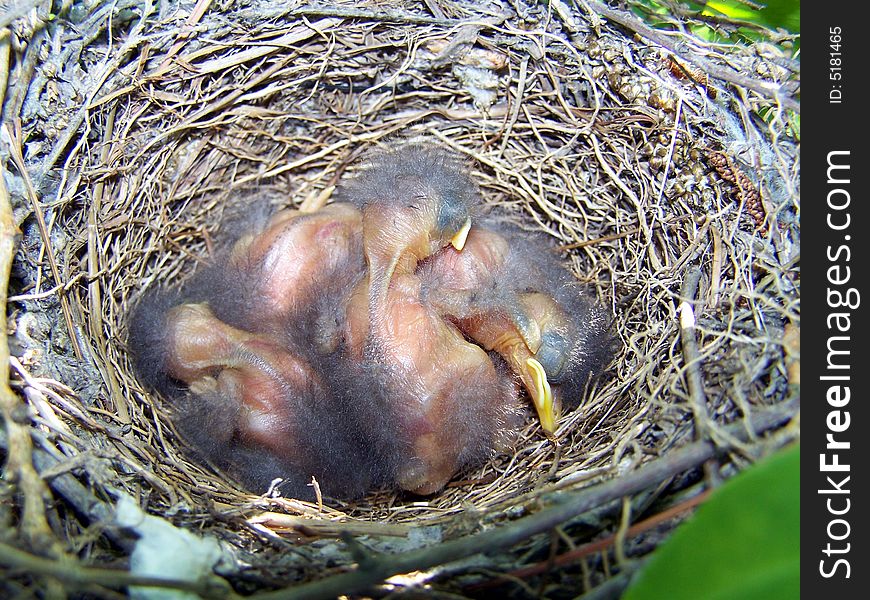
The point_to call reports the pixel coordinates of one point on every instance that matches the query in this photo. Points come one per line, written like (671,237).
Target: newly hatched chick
(273,278)
(452,405)
(507,292)
(415,200)
(269,384)
(233,392)
(259,389)
(252,406)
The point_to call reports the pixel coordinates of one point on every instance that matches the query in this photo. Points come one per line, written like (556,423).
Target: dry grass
(600,139)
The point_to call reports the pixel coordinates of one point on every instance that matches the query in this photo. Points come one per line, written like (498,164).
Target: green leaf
(775,13)
(744,542)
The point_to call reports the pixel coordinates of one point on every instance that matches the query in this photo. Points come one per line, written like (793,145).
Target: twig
(576,554)
(81,498)
(327,527)
(76,576)
(715,266)
(622,531)
(691,355)
(433,7)
(614,587)
(4,71)
(95,317)
(19,464)
(722,73)
(365,558)
(56,289)
(14,132)
(604,238)
(24,77)
(570,505)
(516,104)
(620,235)
(692,359)
(16,10)
(730,23)
(629,193)
(566,15)
(392,16)
(199,9)
(72,129)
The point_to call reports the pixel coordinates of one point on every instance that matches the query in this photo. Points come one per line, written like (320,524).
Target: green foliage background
(744,542)
(775,15)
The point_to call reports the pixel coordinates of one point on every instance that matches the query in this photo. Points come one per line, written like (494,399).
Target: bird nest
(664,167)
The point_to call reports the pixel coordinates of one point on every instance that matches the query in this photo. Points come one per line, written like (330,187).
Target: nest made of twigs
(659,184)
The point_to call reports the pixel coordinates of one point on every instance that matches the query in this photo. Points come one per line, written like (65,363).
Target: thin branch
(199,9)
(615,586)
(95,320)
(24,77)
(576,554)
(691,354)
(390,16)
(70,489)
(77,576)
(134,39)
(19,465)
(325,527)
(620,235)
(4,71)
(16,10)
(15,138)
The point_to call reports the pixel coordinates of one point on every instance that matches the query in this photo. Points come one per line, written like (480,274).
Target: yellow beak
(458,240)
(542,396)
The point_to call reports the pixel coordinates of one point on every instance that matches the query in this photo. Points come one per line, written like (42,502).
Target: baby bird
(252,406)
(250,355)
(451,403)
(414,200)
(242,391)
(264,380)
(272,278)
(507,292)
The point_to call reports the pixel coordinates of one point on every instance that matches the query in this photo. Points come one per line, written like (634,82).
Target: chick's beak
(458,240)
(542,395)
